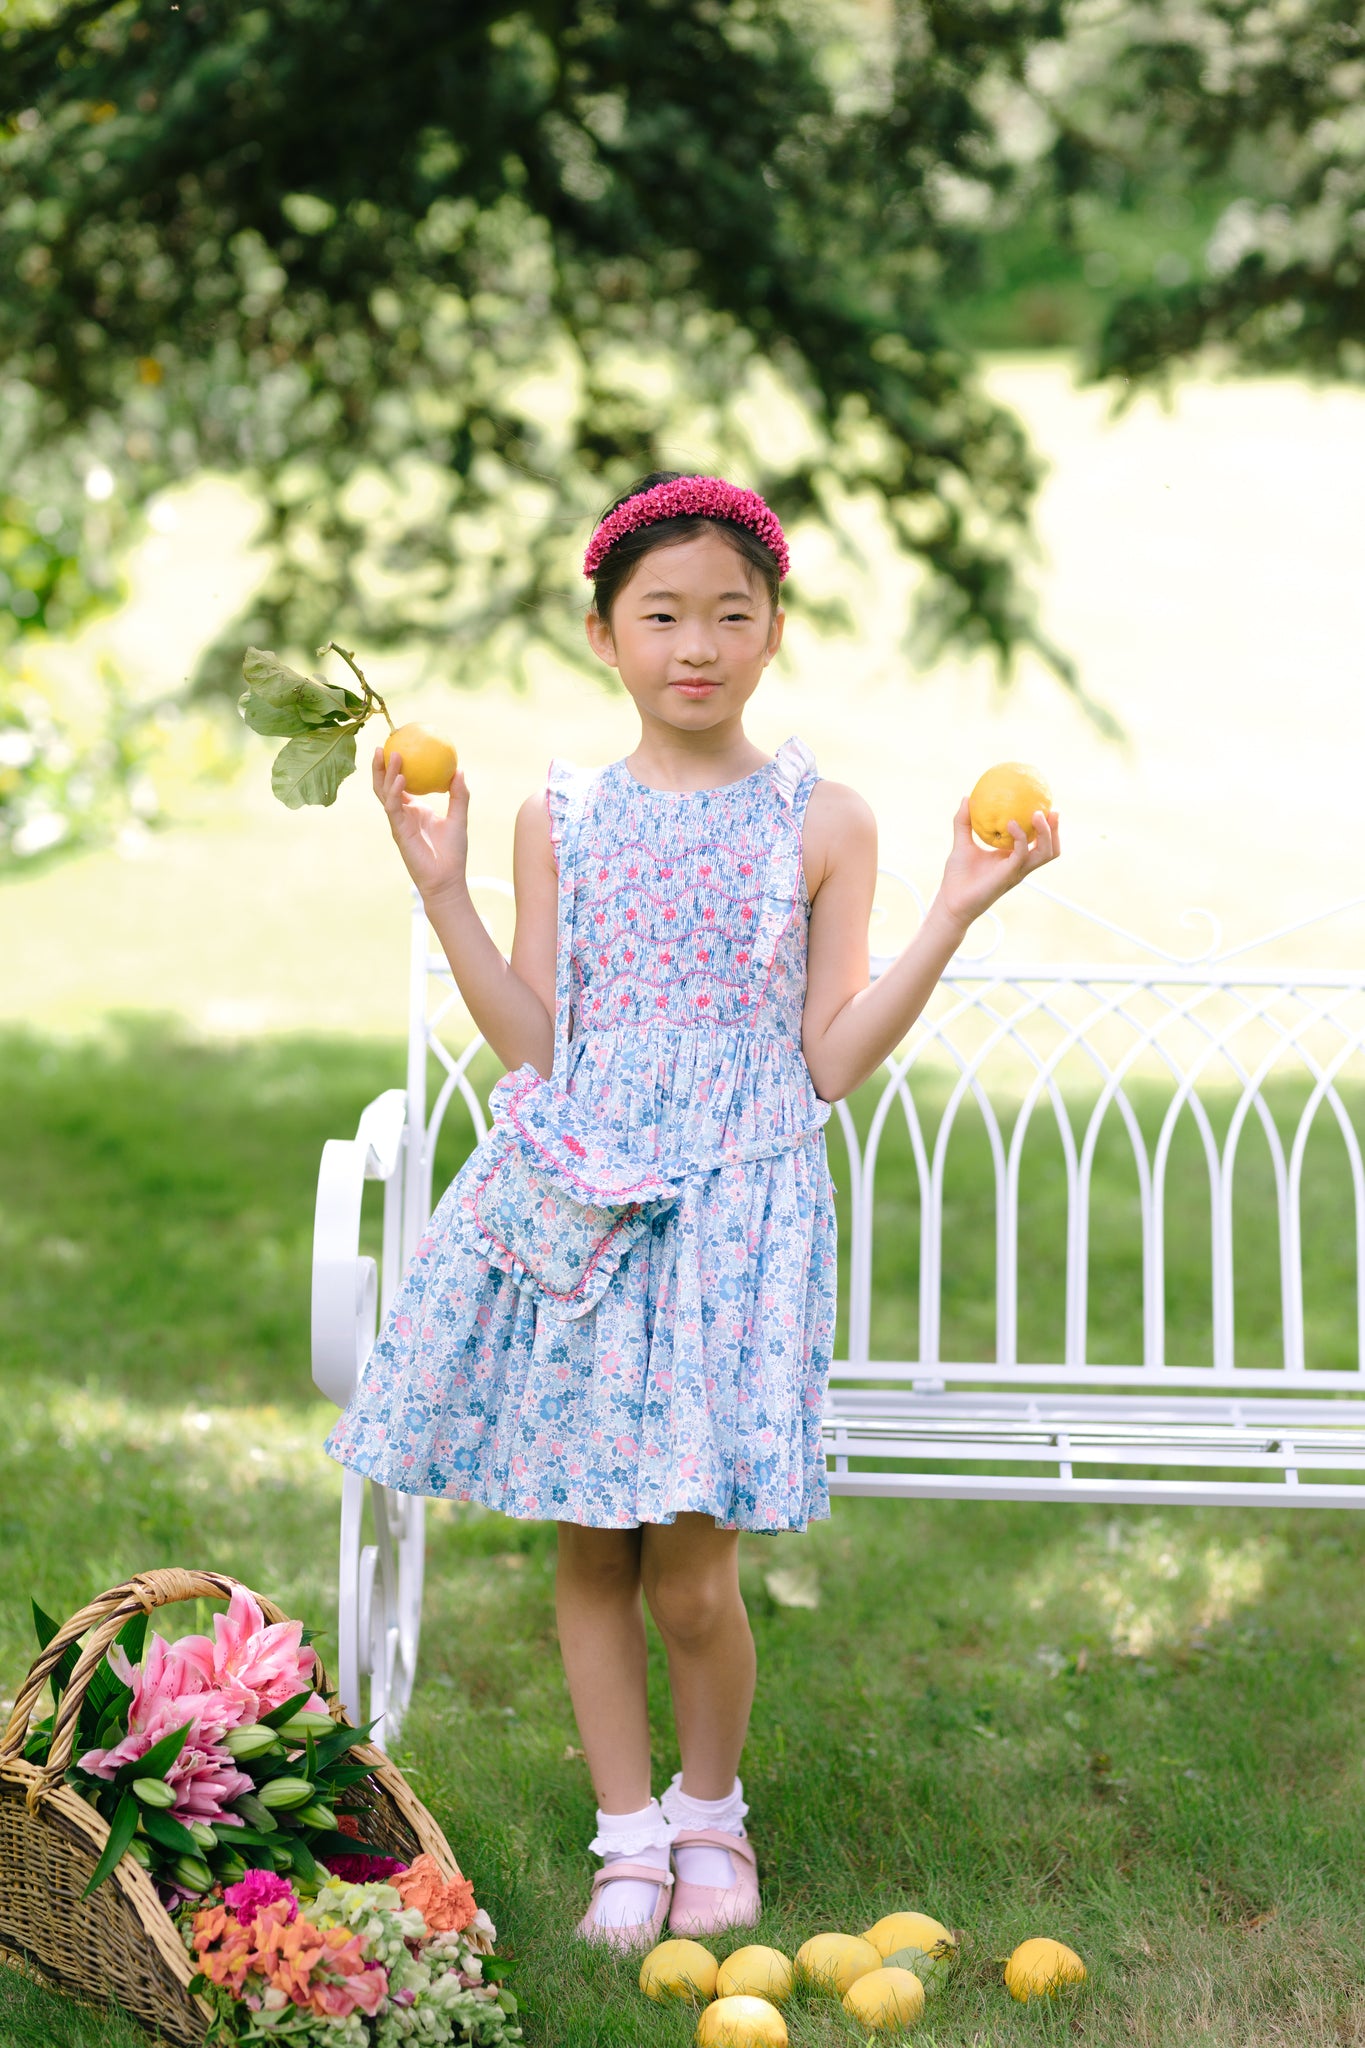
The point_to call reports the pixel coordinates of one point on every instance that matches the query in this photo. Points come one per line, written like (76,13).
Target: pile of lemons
(882,1978)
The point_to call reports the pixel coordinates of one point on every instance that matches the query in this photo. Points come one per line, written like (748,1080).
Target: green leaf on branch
(281,704)
(311,770)
(121,1831)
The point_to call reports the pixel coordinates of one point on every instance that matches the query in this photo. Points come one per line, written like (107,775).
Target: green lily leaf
(286,1711)
(302,1858)
(311,769)
(158,1759)
(168,1832)
(121,1831)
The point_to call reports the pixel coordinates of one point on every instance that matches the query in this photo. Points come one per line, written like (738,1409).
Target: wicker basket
(120,1944)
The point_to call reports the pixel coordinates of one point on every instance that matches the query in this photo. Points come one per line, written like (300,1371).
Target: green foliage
(417,271)
(321,719)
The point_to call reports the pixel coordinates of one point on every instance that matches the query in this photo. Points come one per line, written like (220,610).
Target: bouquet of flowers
(218,1767)
(376,1957)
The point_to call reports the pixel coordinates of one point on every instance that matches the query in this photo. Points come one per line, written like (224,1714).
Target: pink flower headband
(706,497)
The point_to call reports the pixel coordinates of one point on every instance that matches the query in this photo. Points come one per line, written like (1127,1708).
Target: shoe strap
(648,1873)
(716,1838)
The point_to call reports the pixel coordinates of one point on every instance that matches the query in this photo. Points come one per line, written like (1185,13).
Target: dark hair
(617,565)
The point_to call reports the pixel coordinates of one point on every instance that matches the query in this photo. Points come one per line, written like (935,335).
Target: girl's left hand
(975,876)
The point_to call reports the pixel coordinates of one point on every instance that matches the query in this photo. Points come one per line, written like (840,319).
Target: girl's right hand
(435,849)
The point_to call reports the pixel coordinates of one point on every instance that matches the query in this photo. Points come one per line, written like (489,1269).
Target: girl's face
(690,635)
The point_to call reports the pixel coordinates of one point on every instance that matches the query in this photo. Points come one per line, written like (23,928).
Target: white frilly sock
(704,1864)
(642,1837)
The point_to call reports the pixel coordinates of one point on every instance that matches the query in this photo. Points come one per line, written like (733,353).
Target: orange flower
(446,1904)
(287,1951)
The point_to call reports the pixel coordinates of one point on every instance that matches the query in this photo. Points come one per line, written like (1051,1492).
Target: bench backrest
(1193,1063)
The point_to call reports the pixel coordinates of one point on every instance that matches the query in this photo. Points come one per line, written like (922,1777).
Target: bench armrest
(345,1284)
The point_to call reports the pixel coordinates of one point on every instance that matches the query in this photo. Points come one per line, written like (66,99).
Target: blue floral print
(695,1380)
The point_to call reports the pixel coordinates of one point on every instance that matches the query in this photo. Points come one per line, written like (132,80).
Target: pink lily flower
(206,1782)
(167,1693)
(255,1664)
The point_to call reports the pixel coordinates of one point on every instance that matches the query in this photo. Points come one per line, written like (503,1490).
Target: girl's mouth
(697,688)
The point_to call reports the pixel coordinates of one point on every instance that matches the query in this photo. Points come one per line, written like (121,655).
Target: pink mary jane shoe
(641,1933)
(711,1908)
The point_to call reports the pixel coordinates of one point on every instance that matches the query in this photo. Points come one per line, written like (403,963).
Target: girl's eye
(667,617)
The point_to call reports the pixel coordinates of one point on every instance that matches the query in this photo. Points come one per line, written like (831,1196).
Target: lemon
(834,1961)
(756,1972)
(885,1998)
(678,1969)
(1039,1967)
(1009,790)
(428,763)
(741,2023)
(907,1930)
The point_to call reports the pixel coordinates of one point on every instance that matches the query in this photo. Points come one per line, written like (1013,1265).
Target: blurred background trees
(435,282)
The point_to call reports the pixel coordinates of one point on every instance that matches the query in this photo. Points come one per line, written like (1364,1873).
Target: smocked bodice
(689,908)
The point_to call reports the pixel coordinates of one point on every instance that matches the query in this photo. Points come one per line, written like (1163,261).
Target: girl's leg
(602,1638)
(690,1572)
(691,1580)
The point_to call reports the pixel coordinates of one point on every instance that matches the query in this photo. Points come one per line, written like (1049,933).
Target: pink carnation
(258,1888)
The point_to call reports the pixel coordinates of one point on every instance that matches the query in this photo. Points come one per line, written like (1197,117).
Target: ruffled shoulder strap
(795,774)
(566,787)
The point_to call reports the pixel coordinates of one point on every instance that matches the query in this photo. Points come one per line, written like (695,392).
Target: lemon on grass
(885,1998)
(1039,1967)
(679,1969)
(834,1961)
(907,1930)
(1009,790)
(741,2023)
(429,764)
(755,1972)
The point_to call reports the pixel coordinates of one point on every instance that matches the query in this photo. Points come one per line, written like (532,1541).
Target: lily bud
(306,1722)
(192,1874)
(280,1794)
(140,1852)
(231,1868)
(203,1834)
(316,1815)
(154,1792)
(243,1744)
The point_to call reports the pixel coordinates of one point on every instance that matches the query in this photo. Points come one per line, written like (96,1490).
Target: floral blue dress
(686,1373)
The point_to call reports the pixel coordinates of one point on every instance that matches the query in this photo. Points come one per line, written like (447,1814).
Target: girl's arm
(851,1023)
(511,1002)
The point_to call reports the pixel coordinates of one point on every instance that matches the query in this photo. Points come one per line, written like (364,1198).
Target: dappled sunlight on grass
(1148,1585)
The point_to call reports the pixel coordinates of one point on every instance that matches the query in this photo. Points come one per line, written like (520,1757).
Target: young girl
(622,1314)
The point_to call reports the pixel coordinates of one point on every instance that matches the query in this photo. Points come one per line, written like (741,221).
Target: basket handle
(142,1594)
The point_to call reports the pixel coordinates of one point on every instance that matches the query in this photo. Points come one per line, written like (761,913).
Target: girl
(622,1315)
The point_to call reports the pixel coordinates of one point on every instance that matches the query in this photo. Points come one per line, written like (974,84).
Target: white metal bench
(1211,1033)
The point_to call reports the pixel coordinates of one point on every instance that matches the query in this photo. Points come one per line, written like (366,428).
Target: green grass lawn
(1139,1732)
